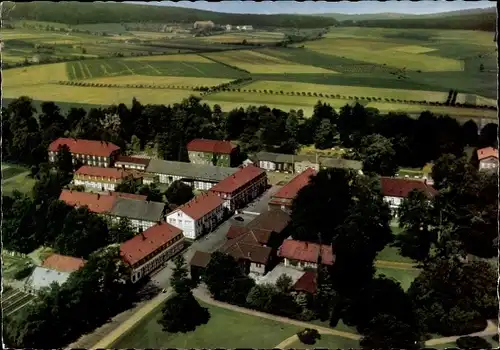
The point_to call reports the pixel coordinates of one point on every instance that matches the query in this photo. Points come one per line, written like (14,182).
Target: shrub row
(221,87)
(137,86)
(225,64)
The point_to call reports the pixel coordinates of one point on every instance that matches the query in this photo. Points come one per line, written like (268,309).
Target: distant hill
(74,13)
(476,19)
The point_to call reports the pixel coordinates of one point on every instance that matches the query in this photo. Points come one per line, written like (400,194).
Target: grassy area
(341,326)
(15,177)
(328,341)
(225,329)
(452,345)
(12,264)
(404,276)
(392,254)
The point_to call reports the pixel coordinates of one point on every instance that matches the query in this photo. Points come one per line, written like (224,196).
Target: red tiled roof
(113,173)
(132,160)
(147,242)
(240,178)
(247,247)
(262,227)
(63,263)
(201,205)
(200,259)
(210,146)
(306,283)
(97,203)
(290,190)
(128,195)
(487,152)
(397,187)
(236,231)
(89,147)
(306,251)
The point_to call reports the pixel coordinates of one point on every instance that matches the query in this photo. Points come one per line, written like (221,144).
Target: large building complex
(88,152)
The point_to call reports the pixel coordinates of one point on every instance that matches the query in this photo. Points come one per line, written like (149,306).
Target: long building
(198,216)
(242,187)
(395,190)
(283,199)
(88,152)
(151,249)
(199,176)
(102,179)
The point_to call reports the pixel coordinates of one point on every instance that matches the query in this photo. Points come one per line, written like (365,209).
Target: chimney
(143,237)
(98,196)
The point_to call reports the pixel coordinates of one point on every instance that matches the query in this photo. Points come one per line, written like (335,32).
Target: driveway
(259,205)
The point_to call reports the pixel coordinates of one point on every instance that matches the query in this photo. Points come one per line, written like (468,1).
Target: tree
(64,160)
(179,193)
(284,284)
(470,133)
(120,231)
(182,313)
(261,296)
(128,185)
(180,280)
(378,155)
(152,192)
(323,137)
(387,332)
(415,218)
(481,67)
(453,297)
(488,136)
(135,145)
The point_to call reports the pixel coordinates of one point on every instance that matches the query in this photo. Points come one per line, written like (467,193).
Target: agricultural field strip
(126,80)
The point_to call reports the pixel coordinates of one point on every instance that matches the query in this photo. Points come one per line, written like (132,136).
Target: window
(258,265)
(178,214)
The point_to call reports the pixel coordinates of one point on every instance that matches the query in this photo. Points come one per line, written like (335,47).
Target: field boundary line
(127,67)
(193,67)
(154,69)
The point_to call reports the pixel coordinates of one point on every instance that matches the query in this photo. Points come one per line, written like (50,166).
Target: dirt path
(396,265)
(112,337)
(287,342)
(491,329)
(323,330)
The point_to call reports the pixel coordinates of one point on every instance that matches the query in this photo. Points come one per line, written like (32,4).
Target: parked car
(239,218)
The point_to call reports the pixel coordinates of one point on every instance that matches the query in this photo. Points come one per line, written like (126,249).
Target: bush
(495,338)
(308,336)
(473,343)
(24,272)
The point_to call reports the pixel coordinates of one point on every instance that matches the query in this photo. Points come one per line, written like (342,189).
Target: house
(63,263)
(88,152)
(95,202)
(198,216)
(42,277)
(229,27)
(102,179)
(307,283)
(395,190)
(300,254)
(142,214)
(275,161)
(203,25)
(242,187)
(199,176)
(198,264)
(213,152)
(134,163)
(151,249)
(488,158)
(283,199)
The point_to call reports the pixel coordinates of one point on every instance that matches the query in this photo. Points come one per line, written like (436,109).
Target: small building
(395,190)
(142,214)
(488,159)
(198,264)
(133,163)
(42,277)
(283,199)
(203,25)
(242,187)
(198,216)
(229,27)
(340,163)
(199,176)
(88,152)
(301,255)
(213,152)
(276,161)
(63,263)
(102,179)
(307,283)
(151,249)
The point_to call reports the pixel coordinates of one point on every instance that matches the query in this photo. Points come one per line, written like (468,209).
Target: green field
(15,177)
(225,329)
(404,276)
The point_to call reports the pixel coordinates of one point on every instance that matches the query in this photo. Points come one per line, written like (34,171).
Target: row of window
(158,250)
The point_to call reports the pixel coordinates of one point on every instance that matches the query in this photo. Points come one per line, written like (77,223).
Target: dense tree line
(61,314)
(75,13)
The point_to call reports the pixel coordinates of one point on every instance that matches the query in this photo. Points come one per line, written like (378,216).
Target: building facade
(141,214)
(102,179)
(302,255)
(199,216)
(131,163)
(275,161)
(87,152)
(488,159)
(395,190)
(242,187)
(151,249)
(212,152)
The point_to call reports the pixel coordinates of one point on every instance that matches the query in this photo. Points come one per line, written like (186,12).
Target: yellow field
(159,80)
(360,91)
(238,39)
(8,35)
(480,100)
(33,75)
(92,95)
(414,49)
(178,58)
(256,62)
(384,52)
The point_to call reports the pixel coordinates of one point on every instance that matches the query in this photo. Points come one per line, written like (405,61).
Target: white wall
(95,185)
(299,264)
(182,221)
(257,268)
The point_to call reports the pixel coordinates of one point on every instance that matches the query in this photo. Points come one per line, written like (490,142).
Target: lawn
(359,91)
(15,177)
(225,329)
(98,96)
(404,276)
(392,254)
(114,67)
(260,63)
(328,341)
(12,264)
(32,76)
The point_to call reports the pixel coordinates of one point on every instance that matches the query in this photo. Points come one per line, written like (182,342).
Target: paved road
(259,205)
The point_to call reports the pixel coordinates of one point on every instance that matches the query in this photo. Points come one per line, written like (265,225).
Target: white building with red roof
(150,250)
(102,179)
(488,158)
(395,190)
(283,199)
(212,152)
(198,216)
(242,187)
(89,152)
